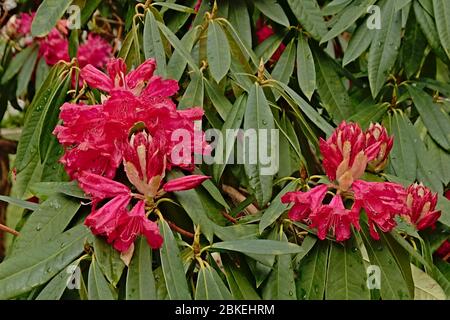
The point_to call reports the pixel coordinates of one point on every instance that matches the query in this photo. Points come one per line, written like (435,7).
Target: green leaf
(290,147)
(218,99)
(20,203)
(276,208)
(272,10)
(347,18)
(17,63)
(47,15)
(42,70)
(394,283)
(280,284)
(403,158)
(218,53)
(312,273)
(56,287)
(192,203)
(172,266)
(334,96)
(177,63)
(240,19)
(385,47)
(434,117)
(178,45)
(43,190)
(47,96)
(266,49)
(98,287)
(360,41)
(428,26)
(153,45)
(34,267)
(194,94)
(426,288)
(260,246)
(140,280)
(372,113)
(443,204)
(308,14)
(346,275)
(441,9)
(285,65)
(108,260)
(232,122)
(47,221)
(88,9)
(174,6)
(24,77)
(210,286)
(238,281)
(258,117)
(414,46)
(306,71)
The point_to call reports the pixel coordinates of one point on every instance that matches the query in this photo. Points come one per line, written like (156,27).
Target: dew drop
(291,293)
(38,227)
(264,122)
(354,249)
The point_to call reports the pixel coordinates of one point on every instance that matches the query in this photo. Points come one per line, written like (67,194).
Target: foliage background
(332,68)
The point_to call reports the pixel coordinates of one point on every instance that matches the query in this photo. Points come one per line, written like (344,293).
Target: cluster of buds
(347,154)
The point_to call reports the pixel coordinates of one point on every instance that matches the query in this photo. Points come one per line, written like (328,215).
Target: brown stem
(176,228)
(228,217)
(238,197)
(9,230)
(8,146)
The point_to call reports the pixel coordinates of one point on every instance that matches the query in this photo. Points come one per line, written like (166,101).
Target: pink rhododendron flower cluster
(133,128)
(54,47)
(335,207)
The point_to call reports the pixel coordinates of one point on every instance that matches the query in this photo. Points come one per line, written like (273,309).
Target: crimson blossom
(132,129)
(336,206)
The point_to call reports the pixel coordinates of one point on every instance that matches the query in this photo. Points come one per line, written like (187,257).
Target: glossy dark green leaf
(153,45)
(394,283)
(285,65)
(210,286)
(98,287)
(43,190)
(280,284)
(308,14)
(47,221)
(334,96)
(347,18)
(218,52)
(260,246)
(172,266)
(238,280)
(276,208)
(194,94)
(360,42)
(240,19)
(346,274)
(24,77)
(259,120)
(108,260)
(312,273)
(441,10)
(436,120)
(306,70)
(414,46)
(17,63)
(385,47)
(20,203)
(140,280)
(36,266)
(177,63)
(272,10)
(47,15)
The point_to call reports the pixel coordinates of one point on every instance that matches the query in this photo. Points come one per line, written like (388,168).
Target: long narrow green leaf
(98,287)
(306,71)
(218,53)
(47,15)
(441,9)
(308,14)
(153,45)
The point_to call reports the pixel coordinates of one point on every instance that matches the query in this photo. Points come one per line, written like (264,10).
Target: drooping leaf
(153,45)
(210,286)
(140,280)
(385,47)
(441,10)
(308,14)
(258,121)
(218,53)
(272,10)
(34,267)
(172,266)
(47,15)
(306,71)
(98,287)
(108,260)
(260,246)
